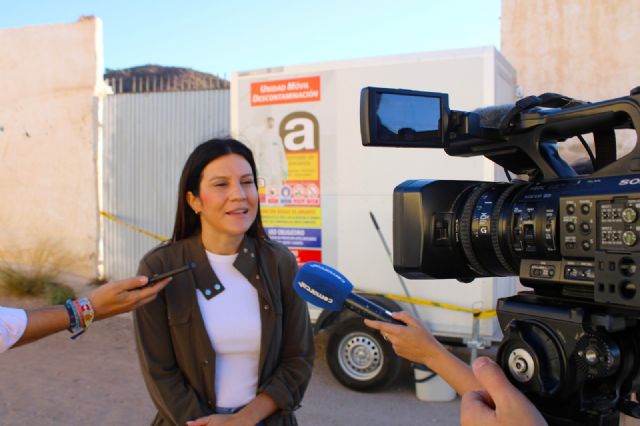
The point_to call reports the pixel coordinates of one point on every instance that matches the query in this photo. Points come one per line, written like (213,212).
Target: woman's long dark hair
(187,222)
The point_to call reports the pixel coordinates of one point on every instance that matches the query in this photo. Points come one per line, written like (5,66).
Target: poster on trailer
(284,121)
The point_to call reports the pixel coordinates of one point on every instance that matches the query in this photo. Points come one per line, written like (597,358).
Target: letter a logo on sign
(299,131)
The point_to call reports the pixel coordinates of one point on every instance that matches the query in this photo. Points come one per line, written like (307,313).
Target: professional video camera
(572,343)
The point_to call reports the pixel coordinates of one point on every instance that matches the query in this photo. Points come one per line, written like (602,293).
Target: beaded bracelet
(81,315)
(86,312)
(74,320)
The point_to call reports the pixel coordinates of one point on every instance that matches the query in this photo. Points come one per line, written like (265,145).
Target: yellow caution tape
(133,227)
(476,312)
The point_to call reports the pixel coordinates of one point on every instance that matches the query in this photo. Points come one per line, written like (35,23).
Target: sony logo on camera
(634,181)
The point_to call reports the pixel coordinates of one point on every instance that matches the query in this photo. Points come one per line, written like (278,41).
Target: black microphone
(159,277)
(327,288)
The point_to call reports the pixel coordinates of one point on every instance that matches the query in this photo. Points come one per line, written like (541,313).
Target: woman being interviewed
(230,341)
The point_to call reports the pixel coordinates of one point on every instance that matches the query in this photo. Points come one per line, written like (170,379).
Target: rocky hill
(156,78)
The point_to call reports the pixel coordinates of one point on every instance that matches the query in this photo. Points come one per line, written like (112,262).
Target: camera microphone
(494,116)
(327,288)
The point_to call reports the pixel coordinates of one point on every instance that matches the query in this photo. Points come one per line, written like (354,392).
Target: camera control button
(571,208)
(571,226)
(585,227)
(629,238)
(629,215)
(586,245)
(570,245)
(585,208)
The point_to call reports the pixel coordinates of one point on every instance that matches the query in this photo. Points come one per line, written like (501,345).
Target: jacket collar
(246,263)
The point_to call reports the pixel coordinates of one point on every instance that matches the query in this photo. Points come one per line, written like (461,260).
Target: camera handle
(517,143)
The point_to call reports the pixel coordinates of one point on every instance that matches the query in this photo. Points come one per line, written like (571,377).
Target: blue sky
(222,37)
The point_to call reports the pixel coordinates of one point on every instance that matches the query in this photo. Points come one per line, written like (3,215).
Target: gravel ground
(96,380)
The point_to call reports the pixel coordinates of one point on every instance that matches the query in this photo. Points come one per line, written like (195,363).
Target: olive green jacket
(176,356)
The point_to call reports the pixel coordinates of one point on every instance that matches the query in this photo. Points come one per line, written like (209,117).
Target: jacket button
(266,307)
(210,403)
(257,277)
(206,362)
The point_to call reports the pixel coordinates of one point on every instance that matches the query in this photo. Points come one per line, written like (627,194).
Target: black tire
(360,358)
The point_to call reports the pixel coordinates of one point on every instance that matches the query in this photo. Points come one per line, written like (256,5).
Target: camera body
(576,237)
(569,344)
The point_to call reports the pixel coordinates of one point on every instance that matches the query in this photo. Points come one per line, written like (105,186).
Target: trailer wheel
(360,358)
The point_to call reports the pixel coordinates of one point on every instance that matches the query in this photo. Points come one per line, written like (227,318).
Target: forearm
(415,342)
(261,407)
(43,322)
(452,369)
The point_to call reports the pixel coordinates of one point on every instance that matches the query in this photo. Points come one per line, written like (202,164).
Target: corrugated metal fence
(147,139)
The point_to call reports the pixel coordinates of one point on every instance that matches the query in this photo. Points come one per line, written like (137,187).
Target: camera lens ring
(465,228)
(481,223)
(495,223)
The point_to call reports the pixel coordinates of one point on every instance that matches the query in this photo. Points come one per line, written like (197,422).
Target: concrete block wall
(50,76)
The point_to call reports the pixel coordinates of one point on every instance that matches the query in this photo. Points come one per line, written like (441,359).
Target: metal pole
(386,248)
(475,342)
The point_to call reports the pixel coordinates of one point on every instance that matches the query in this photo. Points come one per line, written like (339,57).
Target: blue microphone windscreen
(322,286)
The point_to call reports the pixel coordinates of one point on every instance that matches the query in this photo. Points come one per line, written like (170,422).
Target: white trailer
(319,184)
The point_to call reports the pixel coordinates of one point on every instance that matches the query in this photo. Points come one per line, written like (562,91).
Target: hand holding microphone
(412,340)
(327,288)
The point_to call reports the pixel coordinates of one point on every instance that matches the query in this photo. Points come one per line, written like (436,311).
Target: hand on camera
(500,404)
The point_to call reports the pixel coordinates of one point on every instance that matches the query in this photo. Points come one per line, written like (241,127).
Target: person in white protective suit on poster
(271,160)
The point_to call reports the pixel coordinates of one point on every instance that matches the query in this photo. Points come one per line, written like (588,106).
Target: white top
(232,320)
(13,322)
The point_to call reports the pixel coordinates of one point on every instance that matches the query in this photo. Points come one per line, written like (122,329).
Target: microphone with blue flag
(323,286)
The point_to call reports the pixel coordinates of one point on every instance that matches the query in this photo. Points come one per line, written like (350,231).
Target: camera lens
(469,229)
(485,230)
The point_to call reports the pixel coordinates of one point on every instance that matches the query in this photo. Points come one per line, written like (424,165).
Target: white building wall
(48,119)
